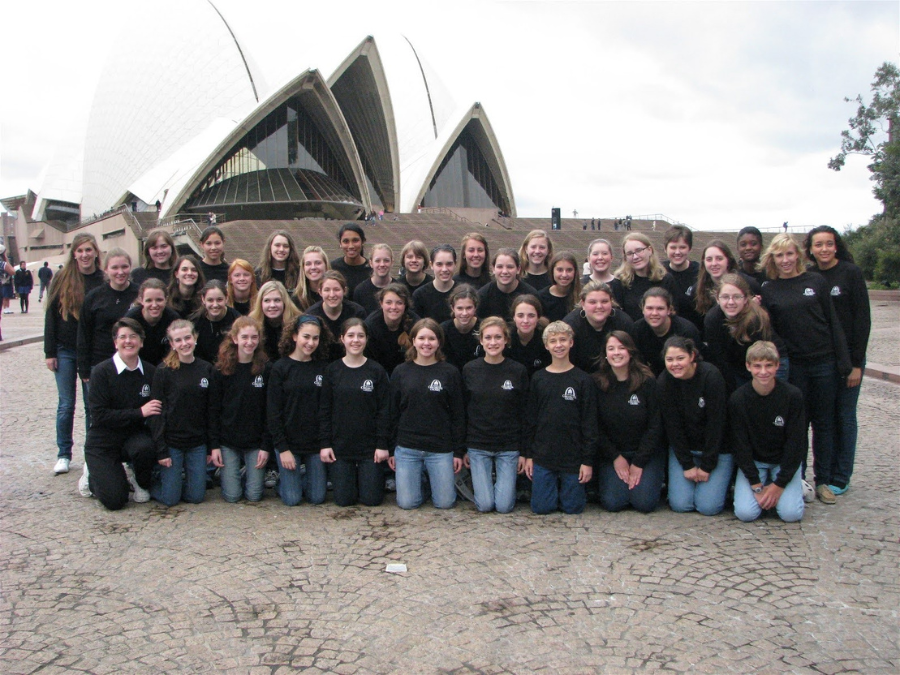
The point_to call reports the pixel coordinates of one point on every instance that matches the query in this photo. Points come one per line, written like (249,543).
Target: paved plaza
(220,588)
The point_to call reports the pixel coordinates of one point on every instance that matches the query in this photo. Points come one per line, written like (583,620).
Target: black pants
(107,475)
(357,482)
(23,301)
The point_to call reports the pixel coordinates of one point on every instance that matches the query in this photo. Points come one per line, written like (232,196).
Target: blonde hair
(625,273)
(303,290)
(557,328)
(762,350)
(290,312)
(171,359)
(779,244)
(523,256)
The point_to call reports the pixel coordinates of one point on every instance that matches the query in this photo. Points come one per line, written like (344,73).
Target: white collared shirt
(120,364)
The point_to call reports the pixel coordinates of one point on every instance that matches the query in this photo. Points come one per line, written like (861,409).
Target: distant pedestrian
(24,282)
(45,274)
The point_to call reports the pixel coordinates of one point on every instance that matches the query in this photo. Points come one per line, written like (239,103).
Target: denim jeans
(292,483)
(357,482)
(552,490)
(789,507)
(169,488)
(411,464)
(644,497)
(820,384)
(707,498)
(66,378)
(848,429)
(232,484)
(490,494)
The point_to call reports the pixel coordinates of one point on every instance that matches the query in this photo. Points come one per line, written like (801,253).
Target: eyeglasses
(731,298)
(636,252)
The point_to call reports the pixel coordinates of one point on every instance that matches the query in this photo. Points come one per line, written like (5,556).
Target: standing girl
(355,419)
(155,318)
(496,389)
(461,332)
(279,261)
(600,258)
(295,386)
(334,309)
(388,330)
(473,262)
(353,264)
(241,288)
(534,253)
(715,262)
(184,385)
(238,434)
(496,298)
(366,292)
(184,288)
(431,300)
(273,310)
(315,264)
(750,247)
(525,342)
(632,461)
(851,304)
(640,270)
(561,296)
(414,263)
(159,258)
(598,316)
(429,414)
(213,320)
(693,402)
(78,277)
(213,264)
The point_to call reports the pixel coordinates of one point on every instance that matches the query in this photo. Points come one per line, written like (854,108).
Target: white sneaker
(83,486)
(809,494)
(138,494)
(62,466)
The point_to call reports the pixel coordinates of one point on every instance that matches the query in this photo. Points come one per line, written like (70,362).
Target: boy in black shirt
(769,437)
(561,428)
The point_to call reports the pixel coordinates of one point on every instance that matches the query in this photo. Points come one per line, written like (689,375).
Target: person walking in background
(24,282)
(45,274)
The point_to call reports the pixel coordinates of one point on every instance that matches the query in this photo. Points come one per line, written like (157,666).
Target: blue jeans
(232,487)
(354,482)
(707,498)
(789,507)
(848,430)
(552,490)
(169,489)
(488,493)
(644,497)
(292,484)
(66,377)
(410,465)
(820,384)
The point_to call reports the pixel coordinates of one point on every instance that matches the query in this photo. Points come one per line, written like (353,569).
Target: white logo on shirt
(435,386)
(368,385)
(537,363)
(318,381)
(809,292)
(570,394)
(258,382)
(634,400)
(835,291)
(779,421)
(508,386)
(702,402)
(204,383)
(689,291)
(145,391)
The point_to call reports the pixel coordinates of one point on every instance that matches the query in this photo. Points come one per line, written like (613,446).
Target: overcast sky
(716,114)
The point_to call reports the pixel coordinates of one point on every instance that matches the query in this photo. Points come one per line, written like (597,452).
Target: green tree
(872,133)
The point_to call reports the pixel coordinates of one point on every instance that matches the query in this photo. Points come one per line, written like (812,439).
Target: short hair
(762,350)
(752,231)
(557,328)
(658,292)
(494,322)
(462,292)
(130,324)
(416,247)
(677,232)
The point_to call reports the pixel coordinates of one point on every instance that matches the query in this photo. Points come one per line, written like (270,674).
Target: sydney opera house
(183,122)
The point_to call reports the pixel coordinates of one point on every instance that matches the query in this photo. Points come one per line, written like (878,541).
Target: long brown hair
(190,304)
(67,286)
(228,351)
(420,325)
(575,287)
(406,323)
(152,238)
(292,269)
(462,266)
(706,287)
(752,323)
(638,371)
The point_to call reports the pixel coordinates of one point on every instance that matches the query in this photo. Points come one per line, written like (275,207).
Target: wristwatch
(757,490)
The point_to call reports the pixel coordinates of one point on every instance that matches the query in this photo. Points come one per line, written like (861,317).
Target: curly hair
(287,344)
(228,349)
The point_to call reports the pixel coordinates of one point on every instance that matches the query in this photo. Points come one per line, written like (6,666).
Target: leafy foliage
(876,249)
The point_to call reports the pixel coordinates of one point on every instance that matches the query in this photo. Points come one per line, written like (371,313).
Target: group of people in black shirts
(512,364)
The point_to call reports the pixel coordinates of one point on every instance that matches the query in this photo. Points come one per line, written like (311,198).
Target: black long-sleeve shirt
(534,355)
(295,388)
(851,303)
(554,308)
(770,429)
(561,432)
(474,282)
(589,342)
(685,281)
(694,413)
(156,341)
(650,345)
(460,348)
(365,295)
(427,408)
(211,333)
(630,423)
(59,332)
(354,274)
(494,302)
(495,394)
(102,307)
(412,289)
(629,298)
(115,399)
(140,274)
(349,310)
(218,272)
(536,281)
(382,345)
(186,393)
(804,316)
(238,418)
(355,410)
(430,303)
